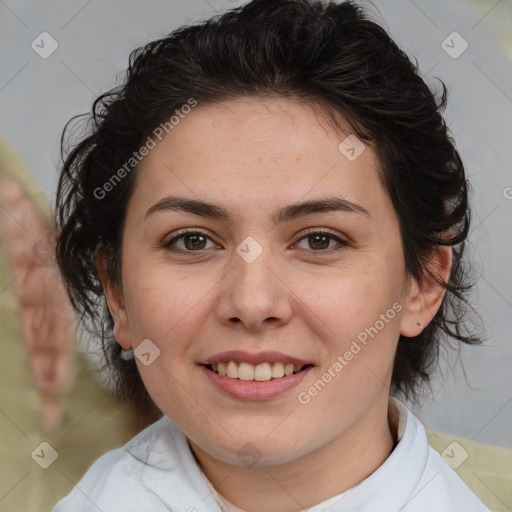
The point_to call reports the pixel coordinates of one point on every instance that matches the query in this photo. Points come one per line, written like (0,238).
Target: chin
(258,449)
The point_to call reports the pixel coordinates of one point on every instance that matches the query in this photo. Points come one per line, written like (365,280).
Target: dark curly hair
(308,50)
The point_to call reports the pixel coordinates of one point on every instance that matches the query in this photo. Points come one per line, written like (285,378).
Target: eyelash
(311,231)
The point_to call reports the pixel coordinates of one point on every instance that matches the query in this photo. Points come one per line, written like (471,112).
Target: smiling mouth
(260,372)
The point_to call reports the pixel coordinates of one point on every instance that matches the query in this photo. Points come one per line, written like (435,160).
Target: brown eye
(191,241)
(319,241)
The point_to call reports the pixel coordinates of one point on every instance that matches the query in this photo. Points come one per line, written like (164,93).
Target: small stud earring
(127,353)
(419,324)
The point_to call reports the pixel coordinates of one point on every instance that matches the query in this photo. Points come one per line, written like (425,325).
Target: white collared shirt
(156,472)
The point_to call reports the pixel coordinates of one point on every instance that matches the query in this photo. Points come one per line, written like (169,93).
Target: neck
(336,467)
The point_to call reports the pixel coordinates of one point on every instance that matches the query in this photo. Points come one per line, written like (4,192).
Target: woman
(275,213)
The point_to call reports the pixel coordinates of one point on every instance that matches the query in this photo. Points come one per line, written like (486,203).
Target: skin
(298,297)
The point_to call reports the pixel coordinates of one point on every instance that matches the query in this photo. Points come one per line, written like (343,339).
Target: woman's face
(268,284)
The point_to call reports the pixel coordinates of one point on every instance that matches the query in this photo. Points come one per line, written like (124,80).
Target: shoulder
(439,487)
(114,481)
(110,476)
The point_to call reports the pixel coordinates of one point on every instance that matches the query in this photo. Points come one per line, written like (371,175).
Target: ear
(424,297)
(115,300)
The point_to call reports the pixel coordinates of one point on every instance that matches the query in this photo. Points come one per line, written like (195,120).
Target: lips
(255,376)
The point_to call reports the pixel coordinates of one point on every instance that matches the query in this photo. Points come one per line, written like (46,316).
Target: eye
(192,241)
(196,241)
(319,241)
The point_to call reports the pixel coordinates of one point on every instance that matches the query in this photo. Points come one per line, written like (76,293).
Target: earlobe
(115,302)
(424,297)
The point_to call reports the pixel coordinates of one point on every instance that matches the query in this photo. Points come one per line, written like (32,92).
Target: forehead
(266,128)
(267,151)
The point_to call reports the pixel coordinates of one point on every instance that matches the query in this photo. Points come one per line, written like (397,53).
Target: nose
(254,294)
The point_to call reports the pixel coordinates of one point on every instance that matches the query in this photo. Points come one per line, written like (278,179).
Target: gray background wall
(38,95)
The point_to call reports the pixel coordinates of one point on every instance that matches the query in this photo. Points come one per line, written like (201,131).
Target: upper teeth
(259,372)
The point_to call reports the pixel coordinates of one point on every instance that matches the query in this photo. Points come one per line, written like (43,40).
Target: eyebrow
(288,213)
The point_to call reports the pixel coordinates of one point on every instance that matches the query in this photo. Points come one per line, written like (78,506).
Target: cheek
(161,303)
(357,314)
(349,299)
